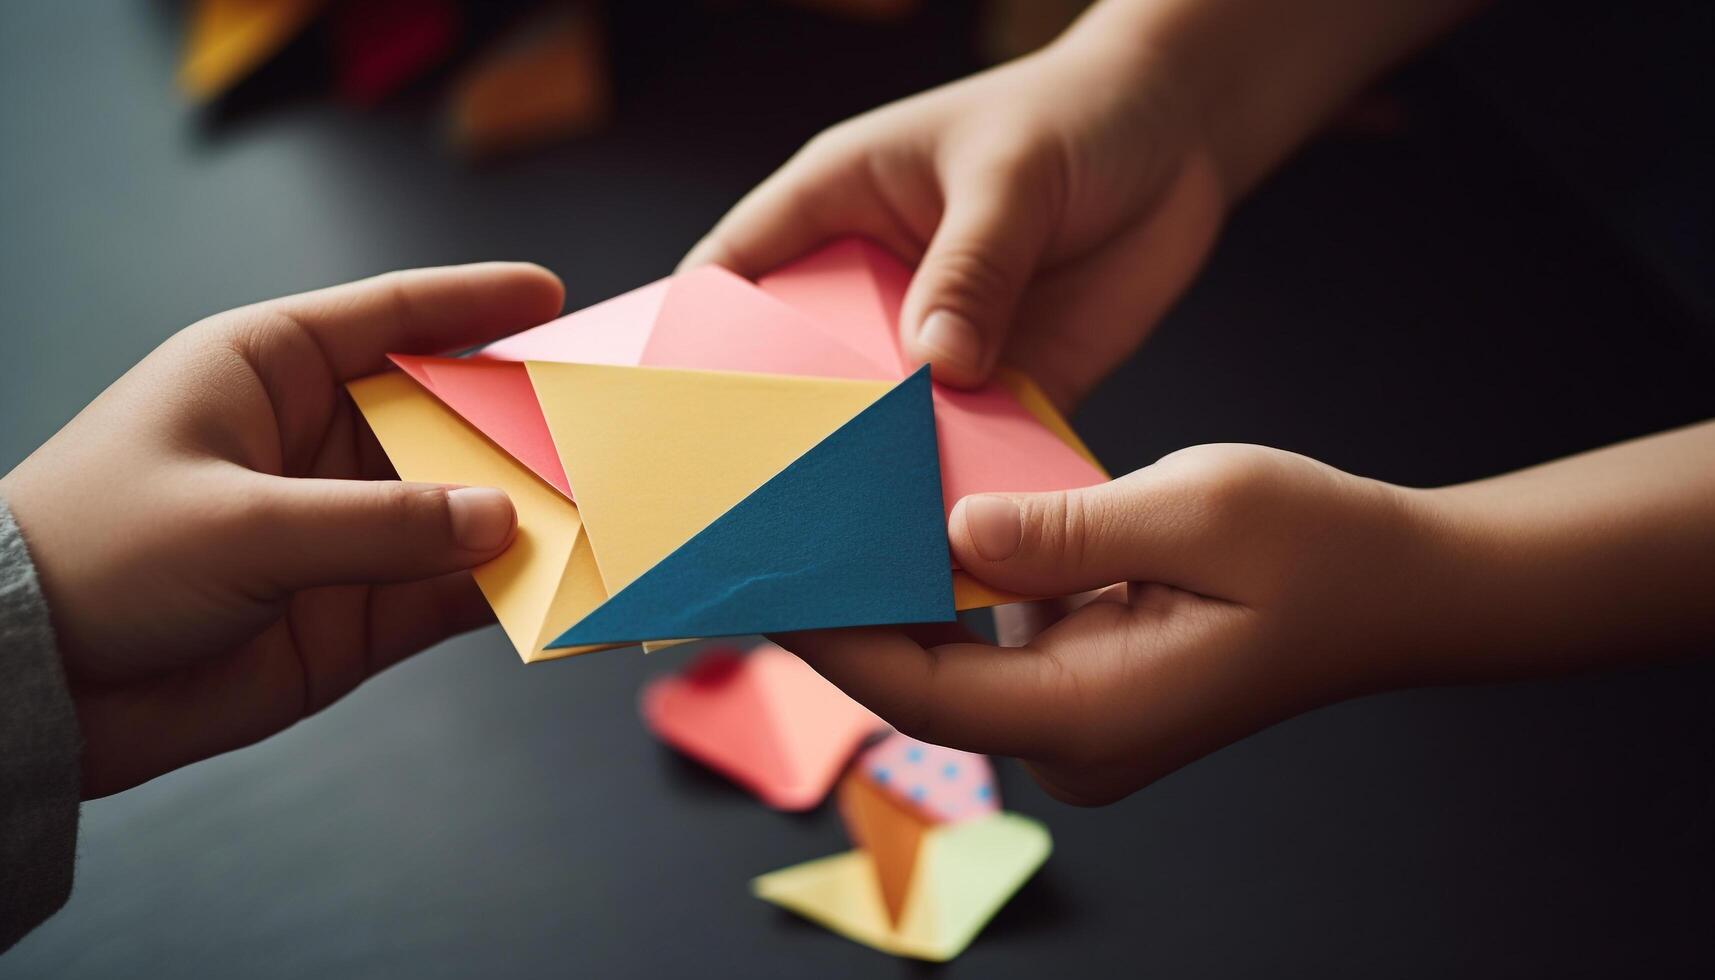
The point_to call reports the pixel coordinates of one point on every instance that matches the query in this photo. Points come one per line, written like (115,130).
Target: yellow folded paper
(965,873)
(547,578)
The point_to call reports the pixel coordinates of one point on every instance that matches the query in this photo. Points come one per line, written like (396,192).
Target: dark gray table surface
(1422,308)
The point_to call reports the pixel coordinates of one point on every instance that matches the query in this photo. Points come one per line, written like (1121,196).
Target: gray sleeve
(39,748)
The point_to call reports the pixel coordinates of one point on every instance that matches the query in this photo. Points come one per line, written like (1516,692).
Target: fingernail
(953,340)
(481,517)
(994,524)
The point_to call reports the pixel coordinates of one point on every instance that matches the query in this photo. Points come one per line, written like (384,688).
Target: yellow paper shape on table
(548,577)
(655,455)
(229,39)
(965,873)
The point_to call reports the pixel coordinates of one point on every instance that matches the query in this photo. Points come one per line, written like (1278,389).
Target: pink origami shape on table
(766,720)
(833,313)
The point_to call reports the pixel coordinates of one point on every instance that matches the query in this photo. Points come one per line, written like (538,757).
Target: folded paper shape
(831,314)
(548,577)
(824,327)
(898,789)
(656,455)
(889,831)
(381,46)
(965,873)
(229,39)
(764,719)
(499,400)
(944,785)
(848,534)
(547,79)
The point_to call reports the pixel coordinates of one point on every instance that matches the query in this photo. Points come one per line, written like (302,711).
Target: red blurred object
(380,46)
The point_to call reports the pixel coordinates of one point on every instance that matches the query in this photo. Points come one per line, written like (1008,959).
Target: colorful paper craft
(944,785)
(965,873)
(380,46)
(548,577)
(656,455)
(546,81)
(852,289)
(848,534)
(669,472)
(889,831)
(764,719)
(830,314)
(900,788)
(1005,438)
(500,401)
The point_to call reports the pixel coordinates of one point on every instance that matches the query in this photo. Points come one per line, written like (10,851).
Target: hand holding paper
(736,457)
(223,547)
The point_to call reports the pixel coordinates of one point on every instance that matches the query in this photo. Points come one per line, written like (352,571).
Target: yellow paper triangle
(655,455)
(228,39)
(966,873)
(548,575)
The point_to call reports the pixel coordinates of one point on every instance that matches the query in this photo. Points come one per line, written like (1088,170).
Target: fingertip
(708,251)
(953,348)
(540,285)
(483,519)
(985,527)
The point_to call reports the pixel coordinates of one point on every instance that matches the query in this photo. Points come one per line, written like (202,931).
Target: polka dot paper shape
(945,785)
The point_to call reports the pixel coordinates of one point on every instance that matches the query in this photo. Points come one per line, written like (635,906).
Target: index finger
(418,311)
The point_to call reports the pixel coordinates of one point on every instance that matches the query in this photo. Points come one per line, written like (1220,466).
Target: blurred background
(1501,255)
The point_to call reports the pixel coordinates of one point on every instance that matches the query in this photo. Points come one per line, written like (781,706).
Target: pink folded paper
(765,719)
(830,314)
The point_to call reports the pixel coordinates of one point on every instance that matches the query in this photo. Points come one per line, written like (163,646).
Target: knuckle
(1065,527)
(416,508)
(831,142)
(1225,482)
(971,277)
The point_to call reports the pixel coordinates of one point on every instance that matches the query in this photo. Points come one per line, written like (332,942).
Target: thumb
(960,304)
(1136,528)
(333,532)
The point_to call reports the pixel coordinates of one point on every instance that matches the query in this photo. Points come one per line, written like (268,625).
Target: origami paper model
(831,314)
(965,873)
(936,858)
(764,719)
(847,534)
(899,790)
(228,39)
(547,578)
(547,80)
(736,457)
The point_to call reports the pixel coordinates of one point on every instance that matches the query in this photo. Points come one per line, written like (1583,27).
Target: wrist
(1153,110)
(1499,599)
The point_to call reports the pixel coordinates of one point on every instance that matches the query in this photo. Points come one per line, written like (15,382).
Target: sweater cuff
(40,747)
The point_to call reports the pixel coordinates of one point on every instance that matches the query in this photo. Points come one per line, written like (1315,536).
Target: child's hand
(1058,205)
(1264,584)
(218,536)
(1272,575)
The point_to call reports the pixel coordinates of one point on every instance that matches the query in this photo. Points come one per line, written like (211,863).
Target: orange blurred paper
(548,82)
(886,829)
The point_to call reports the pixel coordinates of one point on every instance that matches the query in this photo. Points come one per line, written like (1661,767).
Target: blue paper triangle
(852,533)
